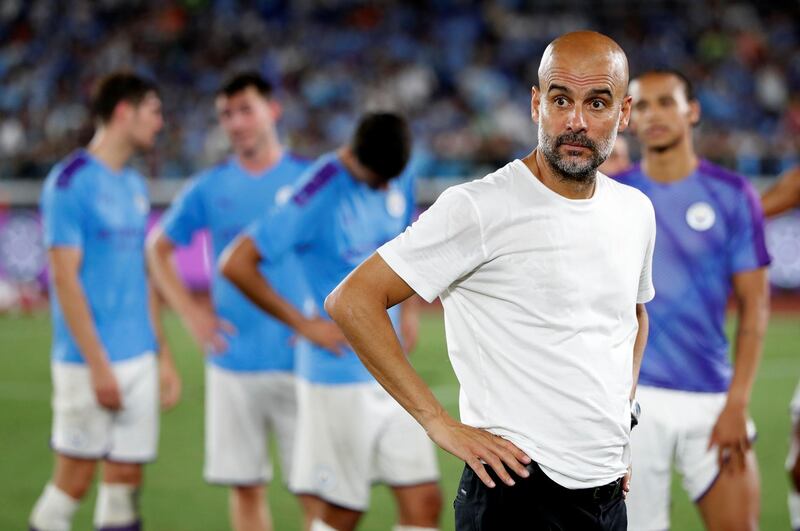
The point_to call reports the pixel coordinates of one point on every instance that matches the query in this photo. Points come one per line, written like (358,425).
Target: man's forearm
(363,318)
(639,344)
(239,264)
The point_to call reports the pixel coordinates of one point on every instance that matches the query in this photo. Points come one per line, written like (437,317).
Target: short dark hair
(382,143)
(688,88)
(118,87)
(244,80)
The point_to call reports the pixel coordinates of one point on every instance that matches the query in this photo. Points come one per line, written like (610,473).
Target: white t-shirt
(539,295)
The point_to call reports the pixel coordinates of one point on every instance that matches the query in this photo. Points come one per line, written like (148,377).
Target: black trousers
(537,503)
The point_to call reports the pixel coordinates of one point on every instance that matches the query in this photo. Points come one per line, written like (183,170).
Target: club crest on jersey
(141,203)
(700,216)
(395,203)
(283,194)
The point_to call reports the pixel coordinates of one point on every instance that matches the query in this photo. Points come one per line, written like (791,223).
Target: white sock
(116,505)
(53,510)
(794,509)
(413,528)
(319,525)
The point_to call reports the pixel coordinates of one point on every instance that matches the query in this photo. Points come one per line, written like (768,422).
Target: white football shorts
(83,429)
(242,409)
(674,428)
(352,435)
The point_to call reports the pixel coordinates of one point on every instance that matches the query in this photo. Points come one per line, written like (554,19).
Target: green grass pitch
(176,499)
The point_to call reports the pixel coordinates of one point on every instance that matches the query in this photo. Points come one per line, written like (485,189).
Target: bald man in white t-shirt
(543,269)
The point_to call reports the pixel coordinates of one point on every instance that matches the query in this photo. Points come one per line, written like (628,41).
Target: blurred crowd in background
(461,70)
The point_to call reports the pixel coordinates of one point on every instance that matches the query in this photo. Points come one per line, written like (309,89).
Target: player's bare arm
(784,194)
(169,378)
(751,290)
(65,263)
(359,306)
(207,329)
(239,264)
(639,344)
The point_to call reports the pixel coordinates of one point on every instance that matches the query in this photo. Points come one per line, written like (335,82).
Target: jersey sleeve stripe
(315,184)
(68,172)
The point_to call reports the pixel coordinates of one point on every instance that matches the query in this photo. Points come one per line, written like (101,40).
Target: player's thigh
(127,473)
(235,431)
(81,427)
(695,461)
(334,444)
(280,403)
(732,502)
(73,476)
(134,429)
(652,447)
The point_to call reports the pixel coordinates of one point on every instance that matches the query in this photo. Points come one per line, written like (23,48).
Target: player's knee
(794,477)
(117,507)
(423,507)
(123,473)
(248,496)
(74,478)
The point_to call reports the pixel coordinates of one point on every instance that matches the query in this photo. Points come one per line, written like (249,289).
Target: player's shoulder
(214,172)
(319,180)
(723,177)
(68,172)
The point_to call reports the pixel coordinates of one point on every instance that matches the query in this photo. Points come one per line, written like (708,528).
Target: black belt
(601,495)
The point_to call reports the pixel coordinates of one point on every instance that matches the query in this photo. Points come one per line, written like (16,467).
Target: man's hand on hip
(476,447)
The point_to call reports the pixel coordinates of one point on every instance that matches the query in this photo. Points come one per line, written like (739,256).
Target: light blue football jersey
(87,206)
(710,226)
(333,223)
(225,200)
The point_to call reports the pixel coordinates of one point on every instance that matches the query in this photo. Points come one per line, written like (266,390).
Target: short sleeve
(443,245)
(646,290)
(63,215)
(186,214)
(747,248)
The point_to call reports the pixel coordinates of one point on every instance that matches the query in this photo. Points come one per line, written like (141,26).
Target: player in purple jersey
(105,372)
(779,198)
(250,388)
(710,245)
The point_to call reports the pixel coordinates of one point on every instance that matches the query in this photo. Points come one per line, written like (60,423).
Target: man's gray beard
(572,170)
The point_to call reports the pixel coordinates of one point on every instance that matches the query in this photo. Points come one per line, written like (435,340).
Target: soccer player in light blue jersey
(710,245)
(350,431)
(104,366)
(250,390)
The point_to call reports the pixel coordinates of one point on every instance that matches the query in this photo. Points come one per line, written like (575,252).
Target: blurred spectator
(455,67)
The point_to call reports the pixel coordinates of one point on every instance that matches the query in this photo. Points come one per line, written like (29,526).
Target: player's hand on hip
(626,483)
(170,385)
(105,386)
(476,447)
(731,439)
(209,330)
(324,333)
